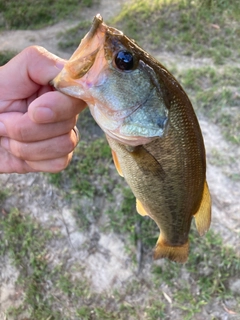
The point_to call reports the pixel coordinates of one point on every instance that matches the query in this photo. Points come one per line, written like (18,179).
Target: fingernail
(3,130)
(42,114)
(60,64)
(5,143)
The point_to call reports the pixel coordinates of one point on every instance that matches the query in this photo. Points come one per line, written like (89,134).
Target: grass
(26,242)
(5,56)
(88,178)
(185,27)
(91,159)
(213,92)
(55,292)
(207,281)
(126,221)
(204,280)
(30,14)
(23,240)
(70,39)
(3,195)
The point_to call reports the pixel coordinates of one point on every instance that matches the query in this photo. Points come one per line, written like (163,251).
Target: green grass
(184,27)
(48,290)
(126,221)
(88,177)
(91,156)
(23,240)
(44,288)
(28,14)
(213,92)
(3,195)
(207,281)
(70,39)
(5,56)
(209,268)
(88,173)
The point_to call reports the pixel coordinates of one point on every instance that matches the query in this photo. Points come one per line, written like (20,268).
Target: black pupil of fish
(124,60)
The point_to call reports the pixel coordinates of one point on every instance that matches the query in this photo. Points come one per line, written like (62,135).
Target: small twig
(68,234)
(228,310)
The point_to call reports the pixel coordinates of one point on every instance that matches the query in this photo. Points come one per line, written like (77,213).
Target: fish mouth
(83,58)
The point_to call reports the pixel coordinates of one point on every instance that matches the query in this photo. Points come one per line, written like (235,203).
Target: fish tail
(174,253)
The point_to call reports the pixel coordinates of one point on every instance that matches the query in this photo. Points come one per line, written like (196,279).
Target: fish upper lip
(97,21)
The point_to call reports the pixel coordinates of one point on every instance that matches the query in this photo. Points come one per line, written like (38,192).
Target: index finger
(25,73)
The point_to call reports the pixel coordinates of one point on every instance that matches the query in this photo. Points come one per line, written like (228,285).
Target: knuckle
(22,132)
(33,51)
(20,150)
(70,142)
(61,163)
(70,123)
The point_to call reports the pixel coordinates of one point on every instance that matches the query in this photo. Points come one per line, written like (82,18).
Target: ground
(98,257)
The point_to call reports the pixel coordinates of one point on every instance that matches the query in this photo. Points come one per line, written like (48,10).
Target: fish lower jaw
(112,128)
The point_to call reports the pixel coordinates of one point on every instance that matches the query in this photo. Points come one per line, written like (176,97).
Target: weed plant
(196,28)
(28,14)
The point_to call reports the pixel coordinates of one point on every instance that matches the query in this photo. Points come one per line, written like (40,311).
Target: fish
(152,130)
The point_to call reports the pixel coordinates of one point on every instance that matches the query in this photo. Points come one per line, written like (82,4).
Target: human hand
(36,123)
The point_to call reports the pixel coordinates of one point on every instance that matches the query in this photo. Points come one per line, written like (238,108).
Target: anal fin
(203,215)
(116,162)
(174,253)
(140,208)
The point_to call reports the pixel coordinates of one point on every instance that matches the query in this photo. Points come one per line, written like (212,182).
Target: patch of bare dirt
(17,40)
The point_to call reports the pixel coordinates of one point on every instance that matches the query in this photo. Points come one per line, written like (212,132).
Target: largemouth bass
(151,127)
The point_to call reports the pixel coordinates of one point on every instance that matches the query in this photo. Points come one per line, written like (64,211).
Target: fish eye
(124,60)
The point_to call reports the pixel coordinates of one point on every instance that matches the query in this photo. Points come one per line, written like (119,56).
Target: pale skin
(36,122)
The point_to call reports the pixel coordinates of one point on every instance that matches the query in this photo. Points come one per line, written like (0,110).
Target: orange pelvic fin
(203,215)
(174,253)
(116,162)
(140,208)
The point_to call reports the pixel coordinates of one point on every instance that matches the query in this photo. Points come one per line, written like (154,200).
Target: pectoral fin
(174,253)
(140,208)
(203,215)
(147,162)
(116,162)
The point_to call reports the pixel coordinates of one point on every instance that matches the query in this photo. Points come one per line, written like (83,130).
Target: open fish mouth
(82,59)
